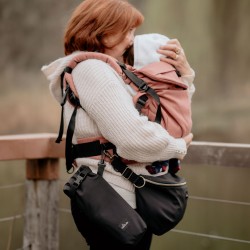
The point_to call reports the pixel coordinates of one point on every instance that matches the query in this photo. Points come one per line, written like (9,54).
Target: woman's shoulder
(94,68)
(95,75)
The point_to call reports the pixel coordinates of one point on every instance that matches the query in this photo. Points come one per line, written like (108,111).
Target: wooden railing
(42,156)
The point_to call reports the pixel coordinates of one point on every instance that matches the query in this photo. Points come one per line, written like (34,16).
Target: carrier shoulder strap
(69,93)
(82,56)
(67,84)
(122,70)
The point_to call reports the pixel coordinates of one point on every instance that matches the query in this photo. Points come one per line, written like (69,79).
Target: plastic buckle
(78,180)
(68,70)
(106,153)
(141,102)
(144,87)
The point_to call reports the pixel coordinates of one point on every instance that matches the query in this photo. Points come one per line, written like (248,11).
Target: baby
(175,90)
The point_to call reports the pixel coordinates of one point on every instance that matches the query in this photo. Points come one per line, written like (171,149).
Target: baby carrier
(159,94)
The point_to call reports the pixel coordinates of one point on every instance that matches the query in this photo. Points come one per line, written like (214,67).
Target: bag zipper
(166,184)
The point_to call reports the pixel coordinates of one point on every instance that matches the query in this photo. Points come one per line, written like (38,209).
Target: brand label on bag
(124,224)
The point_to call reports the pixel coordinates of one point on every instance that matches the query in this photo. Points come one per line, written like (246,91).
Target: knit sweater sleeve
(103,95)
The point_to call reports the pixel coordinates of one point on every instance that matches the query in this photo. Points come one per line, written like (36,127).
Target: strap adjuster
(141,102)
(127,173)
(68,70)
(144,87)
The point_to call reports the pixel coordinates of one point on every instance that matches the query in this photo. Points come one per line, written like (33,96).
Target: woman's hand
(174,54)
(188,139)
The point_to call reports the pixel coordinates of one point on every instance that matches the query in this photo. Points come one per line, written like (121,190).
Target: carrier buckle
(78,180)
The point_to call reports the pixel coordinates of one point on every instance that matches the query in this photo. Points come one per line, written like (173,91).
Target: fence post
(41,229)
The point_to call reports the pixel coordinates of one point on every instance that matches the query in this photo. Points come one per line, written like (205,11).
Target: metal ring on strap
(143,184)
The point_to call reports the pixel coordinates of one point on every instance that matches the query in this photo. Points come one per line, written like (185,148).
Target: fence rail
(42,156)
(42,146)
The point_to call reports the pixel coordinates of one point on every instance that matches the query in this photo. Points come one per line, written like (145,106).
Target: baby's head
(144,50)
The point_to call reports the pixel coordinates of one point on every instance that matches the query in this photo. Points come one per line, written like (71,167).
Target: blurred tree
(214,33)
(230,32)
(140,4)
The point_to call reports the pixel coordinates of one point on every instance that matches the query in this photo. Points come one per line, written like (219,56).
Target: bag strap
(137,180)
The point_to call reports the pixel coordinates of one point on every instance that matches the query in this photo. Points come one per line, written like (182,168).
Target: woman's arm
(103,96)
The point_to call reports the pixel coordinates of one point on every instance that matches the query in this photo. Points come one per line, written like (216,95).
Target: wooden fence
(42,154)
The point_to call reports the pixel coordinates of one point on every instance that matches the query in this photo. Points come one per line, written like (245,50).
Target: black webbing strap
(64,98)
(143,86)
(61,128)
(96,148)
(71,127)
(141,102)
(90,149)
(61,82)
(127,172)
(69,136)
(158,115)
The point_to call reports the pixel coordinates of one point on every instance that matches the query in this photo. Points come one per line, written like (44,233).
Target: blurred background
(214,34)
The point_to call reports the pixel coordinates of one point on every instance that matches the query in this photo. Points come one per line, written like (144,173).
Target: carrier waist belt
(89,149)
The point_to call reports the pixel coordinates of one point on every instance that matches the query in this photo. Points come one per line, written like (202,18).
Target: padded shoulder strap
(80,57)
(69,91)
(95,55)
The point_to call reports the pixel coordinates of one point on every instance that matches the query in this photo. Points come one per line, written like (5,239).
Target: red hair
(94,20)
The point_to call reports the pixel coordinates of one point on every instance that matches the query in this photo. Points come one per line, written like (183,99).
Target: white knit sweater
(110,113)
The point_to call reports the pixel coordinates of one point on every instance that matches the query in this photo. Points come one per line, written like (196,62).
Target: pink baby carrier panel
(173,93)
(162,77)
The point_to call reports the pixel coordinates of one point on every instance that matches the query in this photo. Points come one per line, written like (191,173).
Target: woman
(108,26)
